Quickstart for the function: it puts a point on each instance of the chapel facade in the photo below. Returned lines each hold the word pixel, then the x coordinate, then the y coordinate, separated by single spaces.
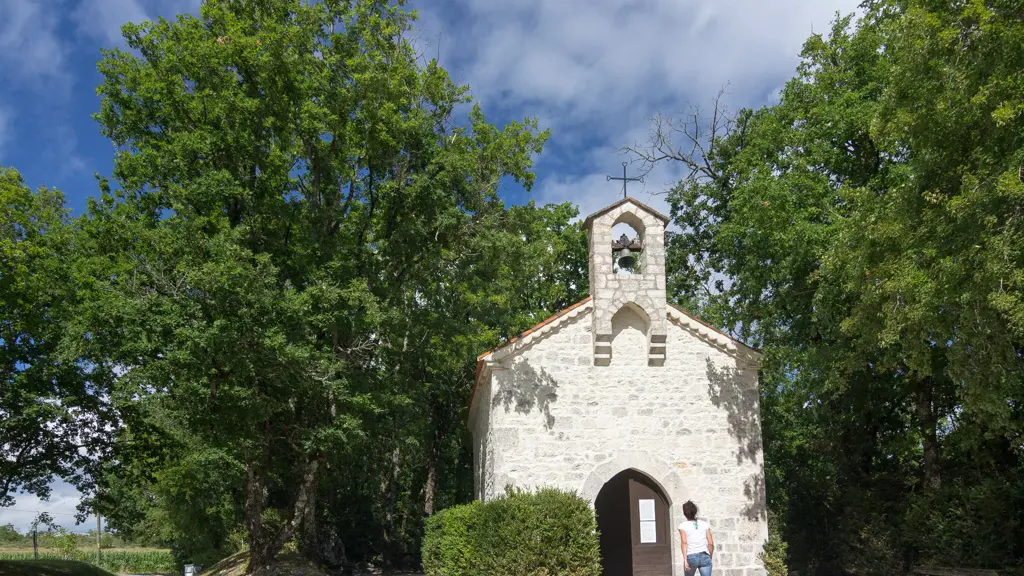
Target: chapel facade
pixel 635 405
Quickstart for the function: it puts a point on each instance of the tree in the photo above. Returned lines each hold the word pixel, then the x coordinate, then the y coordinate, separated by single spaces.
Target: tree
pixel 291 180
pixel 866 232
pixel 41 519
pixel 9 534
pixel 52 411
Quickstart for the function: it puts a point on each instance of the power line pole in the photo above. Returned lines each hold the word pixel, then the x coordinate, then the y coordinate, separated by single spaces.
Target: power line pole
pixel 99 539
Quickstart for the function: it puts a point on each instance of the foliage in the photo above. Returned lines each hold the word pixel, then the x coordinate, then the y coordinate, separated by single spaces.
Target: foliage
pixel 773 553
pixel 44 520
pixel 447 548
pixel 547 532
pixel 11 539
pixel 9 534
pixel 867 232
pixel 936 522
pixel 66 543
pixel 302 253
pixel 52 413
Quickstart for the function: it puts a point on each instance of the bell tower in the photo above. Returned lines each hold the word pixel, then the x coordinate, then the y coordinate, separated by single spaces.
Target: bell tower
pixel 628 272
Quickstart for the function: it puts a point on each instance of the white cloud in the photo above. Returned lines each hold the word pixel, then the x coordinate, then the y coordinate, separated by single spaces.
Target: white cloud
pixel 5 129
pixel 102 19
pixel 592 191
pixel 601 57
pixel 597 71
pixel 61 506
pixel 30 44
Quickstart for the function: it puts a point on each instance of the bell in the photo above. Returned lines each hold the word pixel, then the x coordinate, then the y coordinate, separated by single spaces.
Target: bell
pixel 626 260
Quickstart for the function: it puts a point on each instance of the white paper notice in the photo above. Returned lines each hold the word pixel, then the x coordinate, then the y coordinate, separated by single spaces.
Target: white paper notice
pixel 648 532
pixel 647 510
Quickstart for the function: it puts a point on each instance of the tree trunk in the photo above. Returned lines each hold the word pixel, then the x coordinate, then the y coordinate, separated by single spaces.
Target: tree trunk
pixel 310 530
pixel 263 550
pixel 928 422
pixel 254 499
pixel 390 486
pixel 430 488
pixel 303 505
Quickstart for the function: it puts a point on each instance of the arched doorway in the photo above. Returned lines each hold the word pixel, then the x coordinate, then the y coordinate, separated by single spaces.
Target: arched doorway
pixel 633 519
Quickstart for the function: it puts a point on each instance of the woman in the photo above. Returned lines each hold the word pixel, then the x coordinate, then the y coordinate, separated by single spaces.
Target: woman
pixel 698 545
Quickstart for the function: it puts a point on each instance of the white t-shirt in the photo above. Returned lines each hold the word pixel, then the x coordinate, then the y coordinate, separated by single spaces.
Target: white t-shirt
pixel 696 536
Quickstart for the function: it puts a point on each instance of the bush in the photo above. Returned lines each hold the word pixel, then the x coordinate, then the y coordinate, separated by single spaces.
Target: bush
pixel 773 554
pixel 8 535
pixel 66 543
pixel 975 524
pixel 446 545
pixel 547 533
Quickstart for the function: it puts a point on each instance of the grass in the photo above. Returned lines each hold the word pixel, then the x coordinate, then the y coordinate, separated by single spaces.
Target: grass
pixel 49 568
pixel 233 565
pixel 92 549
pixel 124 561
pixel 288 564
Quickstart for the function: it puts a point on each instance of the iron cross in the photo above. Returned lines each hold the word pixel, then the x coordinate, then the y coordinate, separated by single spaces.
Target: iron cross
pixel 624 179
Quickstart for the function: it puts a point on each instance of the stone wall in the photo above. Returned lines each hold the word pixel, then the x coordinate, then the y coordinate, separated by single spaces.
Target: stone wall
pixel 544 414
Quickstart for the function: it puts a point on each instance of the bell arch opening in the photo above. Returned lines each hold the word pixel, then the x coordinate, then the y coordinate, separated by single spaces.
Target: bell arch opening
pixel 633 521
pixel 627 245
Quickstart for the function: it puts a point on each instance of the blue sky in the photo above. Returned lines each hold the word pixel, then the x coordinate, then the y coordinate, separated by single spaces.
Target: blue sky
pixel 594 71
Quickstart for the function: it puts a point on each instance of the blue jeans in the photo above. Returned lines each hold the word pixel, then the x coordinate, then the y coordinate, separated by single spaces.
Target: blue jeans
pixel 701 561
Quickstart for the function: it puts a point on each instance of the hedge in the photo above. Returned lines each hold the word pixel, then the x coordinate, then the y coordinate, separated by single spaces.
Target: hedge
pixel 547 533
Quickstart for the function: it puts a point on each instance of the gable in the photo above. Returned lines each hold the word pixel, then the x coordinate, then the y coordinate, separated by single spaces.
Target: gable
pixel 664 219
pixel 706 333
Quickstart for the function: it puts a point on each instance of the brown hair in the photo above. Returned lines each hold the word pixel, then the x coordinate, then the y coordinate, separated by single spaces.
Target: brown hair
pixel 690 510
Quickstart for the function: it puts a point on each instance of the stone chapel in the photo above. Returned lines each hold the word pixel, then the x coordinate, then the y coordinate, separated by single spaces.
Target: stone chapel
pixel 635 405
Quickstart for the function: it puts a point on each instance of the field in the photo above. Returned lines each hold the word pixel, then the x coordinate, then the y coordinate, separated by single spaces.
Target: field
pixel 49 568
pixel 118 561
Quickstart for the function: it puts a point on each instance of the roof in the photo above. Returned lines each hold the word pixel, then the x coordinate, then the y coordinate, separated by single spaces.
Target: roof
pixel 718 331
pixel 640 204
pixel 710 333
pixel 536 327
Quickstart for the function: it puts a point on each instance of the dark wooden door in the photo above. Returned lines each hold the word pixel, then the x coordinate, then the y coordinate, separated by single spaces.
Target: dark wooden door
pixel 612 508
pixel 648 513
pixel 632 517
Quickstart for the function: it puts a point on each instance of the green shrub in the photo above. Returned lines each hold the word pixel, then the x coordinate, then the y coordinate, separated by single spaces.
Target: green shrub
pixel 66 543
pixel 446 545
pixel 969 524
pixel 547 533
pixel 773 554
pixel 869 544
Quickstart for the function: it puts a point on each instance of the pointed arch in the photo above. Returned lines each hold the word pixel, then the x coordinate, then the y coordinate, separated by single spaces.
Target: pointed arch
pixel 631 328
